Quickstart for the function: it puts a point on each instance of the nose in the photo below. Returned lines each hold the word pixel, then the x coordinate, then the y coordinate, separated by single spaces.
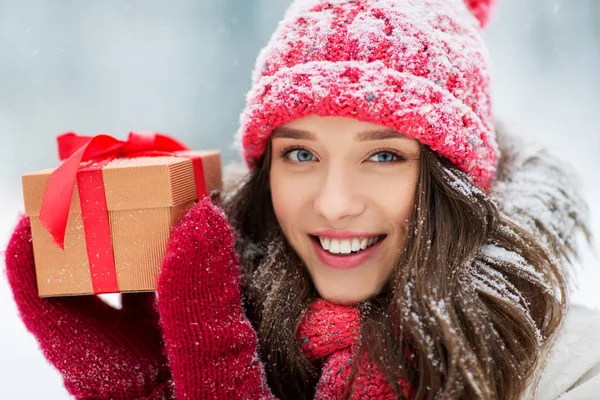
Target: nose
pixel 338 197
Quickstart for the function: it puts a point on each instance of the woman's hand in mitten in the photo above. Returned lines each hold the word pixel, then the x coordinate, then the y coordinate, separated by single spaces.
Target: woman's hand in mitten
pixel 211 345
pixel 101 352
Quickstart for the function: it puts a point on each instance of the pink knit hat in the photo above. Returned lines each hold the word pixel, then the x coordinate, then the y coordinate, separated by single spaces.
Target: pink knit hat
pixel 419 67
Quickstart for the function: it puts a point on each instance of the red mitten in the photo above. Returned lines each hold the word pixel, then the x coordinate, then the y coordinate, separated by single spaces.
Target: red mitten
pixel 101 352
pixel 211 345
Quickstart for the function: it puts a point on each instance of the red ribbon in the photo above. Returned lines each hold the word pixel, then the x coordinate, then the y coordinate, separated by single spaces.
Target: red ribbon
pixel 101 149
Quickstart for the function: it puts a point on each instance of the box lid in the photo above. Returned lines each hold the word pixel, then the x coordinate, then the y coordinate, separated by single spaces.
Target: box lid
pixel 136 183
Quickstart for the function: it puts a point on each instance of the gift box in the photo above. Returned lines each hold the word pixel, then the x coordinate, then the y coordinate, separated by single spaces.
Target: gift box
pixel 100 222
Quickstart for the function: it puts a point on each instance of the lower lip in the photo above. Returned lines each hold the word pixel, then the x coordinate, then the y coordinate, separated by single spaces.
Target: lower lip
pixel 346 261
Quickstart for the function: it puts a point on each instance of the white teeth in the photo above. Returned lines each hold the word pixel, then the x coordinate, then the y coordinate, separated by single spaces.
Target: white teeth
pixel 345 247
pixel 334 246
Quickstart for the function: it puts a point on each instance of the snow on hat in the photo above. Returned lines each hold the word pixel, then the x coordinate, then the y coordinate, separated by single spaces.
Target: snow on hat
pixel 419 67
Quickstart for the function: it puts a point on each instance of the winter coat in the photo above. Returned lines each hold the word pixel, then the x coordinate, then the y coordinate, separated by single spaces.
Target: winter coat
pixel 572 371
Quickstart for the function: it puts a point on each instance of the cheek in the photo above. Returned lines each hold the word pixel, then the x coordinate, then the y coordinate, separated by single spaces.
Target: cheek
pixel 404 200
pixel 287 200
pixel 396 198
pixel 398 208
pixel 277 197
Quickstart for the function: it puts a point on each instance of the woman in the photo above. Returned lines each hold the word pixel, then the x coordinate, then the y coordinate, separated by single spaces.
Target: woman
pixel 387 241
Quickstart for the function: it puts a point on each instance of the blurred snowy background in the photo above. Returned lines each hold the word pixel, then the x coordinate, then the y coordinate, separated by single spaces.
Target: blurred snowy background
pixel 183 68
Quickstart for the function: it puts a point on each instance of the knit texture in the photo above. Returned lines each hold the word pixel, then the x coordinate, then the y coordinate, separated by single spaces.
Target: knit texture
pixel 329 331
pixel 101 352
pixel 419 67
pixel 211 345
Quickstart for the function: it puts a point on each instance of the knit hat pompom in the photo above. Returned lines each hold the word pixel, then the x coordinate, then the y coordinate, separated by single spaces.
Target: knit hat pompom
pixel 482 9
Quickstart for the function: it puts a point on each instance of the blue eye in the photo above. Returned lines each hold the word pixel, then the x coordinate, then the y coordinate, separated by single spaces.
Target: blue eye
pixel 300 155
pixel 384 157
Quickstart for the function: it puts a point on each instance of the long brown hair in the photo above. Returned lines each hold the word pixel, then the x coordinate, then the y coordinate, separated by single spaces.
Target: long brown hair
pixel 474 296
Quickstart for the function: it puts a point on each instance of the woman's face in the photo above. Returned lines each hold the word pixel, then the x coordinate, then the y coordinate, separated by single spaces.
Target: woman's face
pixel 343 192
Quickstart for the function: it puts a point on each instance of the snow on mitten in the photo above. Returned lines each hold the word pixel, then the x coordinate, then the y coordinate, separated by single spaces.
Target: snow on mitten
pixel 211 345
pixel 101 352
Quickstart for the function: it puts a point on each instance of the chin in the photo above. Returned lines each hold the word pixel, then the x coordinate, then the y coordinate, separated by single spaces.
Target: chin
pixel 344 287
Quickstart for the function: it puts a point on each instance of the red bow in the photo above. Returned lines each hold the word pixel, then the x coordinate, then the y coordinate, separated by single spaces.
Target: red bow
pixel 75 149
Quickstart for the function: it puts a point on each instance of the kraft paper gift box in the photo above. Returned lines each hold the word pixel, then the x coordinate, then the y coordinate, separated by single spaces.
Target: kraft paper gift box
pixel 119 214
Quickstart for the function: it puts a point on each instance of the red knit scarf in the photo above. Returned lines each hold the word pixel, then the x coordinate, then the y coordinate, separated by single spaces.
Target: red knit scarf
pixel 330 331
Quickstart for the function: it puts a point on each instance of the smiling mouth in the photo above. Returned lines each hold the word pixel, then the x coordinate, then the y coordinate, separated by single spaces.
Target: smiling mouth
pixel 346 247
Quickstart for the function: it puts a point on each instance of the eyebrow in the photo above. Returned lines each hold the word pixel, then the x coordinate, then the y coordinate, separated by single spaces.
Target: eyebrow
pixel 380 134
pixel 299 134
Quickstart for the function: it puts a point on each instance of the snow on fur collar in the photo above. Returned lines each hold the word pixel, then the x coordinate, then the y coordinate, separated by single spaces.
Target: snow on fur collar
pixel 541 193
